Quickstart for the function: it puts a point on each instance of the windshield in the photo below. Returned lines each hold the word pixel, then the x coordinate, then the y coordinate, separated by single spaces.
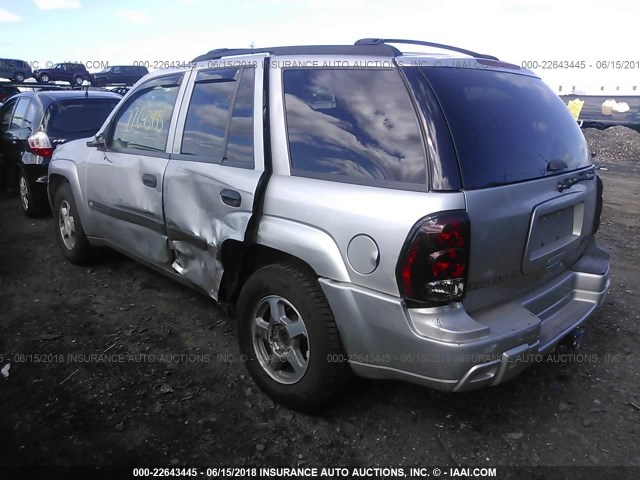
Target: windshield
pixel 82 117
pixel 506 127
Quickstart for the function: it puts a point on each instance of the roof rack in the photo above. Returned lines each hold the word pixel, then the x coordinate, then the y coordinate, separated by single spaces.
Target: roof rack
pixel 373 50
pixel 364 46
pixel 384 41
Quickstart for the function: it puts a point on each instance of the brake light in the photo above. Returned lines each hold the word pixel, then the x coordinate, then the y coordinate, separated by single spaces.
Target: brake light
pixel 433 266
pixel 40 144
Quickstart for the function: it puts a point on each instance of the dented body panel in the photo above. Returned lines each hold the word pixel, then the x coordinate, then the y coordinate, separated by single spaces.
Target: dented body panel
pixel 198 222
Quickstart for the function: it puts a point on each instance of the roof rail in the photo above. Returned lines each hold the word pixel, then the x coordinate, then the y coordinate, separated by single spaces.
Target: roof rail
pixel 383 41
pixel 219 53
pixel 372 49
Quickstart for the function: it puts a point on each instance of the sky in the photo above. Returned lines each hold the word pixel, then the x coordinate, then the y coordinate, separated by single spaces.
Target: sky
pixel 114 32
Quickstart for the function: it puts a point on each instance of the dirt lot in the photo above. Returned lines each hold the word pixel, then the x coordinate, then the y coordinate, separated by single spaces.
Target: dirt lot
pixel 114 364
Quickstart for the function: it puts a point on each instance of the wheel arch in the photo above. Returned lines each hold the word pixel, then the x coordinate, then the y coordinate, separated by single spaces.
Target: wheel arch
pixel 305 247
pixel 65 171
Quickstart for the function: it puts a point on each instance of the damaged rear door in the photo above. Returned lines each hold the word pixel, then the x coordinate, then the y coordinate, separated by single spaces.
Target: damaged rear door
pixel 214 169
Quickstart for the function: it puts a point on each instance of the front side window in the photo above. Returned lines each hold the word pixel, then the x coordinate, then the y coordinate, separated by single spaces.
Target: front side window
pixel 353 125
pixel 143 122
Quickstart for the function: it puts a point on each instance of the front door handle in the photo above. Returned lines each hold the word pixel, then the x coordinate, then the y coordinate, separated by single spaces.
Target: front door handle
pixel 231 197
pixel 150 180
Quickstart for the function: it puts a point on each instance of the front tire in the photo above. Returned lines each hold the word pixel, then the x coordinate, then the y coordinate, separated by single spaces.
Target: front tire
pixel 44 78
pixel 290 339
pixel 71 238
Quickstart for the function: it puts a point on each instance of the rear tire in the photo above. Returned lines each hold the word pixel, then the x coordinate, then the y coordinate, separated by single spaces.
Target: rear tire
pixel 18 77
pixel 290 339
pixel 30 207
pixel 77 81
pixel 71 238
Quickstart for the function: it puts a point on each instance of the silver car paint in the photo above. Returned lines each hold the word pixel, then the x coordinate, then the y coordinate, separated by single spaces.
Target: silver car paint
pixel 192 202
pixel 482 341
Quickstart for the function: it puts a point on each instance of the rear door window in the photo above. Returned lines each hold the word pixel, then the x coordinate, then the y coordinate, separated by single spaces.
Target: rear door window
pixel 239 151
pixel 209 113
pixel 6 112
pixel 506 127
pixel 19 113
pixel 353 125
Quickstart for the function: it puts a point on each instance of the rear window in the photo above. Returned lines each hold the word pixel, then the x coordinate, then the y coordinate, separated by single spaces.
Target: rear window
pixel 78 116
pixel 506 127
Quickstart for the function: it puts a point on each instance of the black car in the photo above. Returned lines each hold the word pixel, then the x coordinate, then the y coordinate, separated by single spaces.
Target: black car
pixel 74 73
pixel 33 124
pixel 7 91
pixel 16 70
pixel 122 74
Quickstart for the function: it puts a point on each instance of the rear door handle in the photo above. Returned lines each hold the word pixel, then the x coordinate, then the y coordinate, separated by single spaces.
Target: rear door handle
pixel 231 197
pixel 150 180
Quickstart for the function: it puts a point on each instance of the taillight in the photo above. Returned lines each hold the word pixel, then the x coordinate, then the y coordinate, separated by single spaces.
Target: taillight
pixel 40 144
pixel 433 266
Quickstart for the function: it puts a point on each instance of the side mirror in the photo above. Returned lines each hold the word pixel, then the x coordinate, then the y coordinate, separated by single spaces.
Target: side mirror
pixel 98 141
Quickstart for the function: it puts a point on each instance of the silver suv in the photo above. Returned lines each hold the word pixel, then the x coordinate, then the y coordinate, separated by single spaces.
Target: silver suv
pixel 421 217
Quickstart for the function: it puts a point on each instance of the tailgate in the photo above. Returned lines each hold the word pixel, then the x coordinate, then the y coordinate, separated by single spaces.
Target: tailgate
pixel 529 183
pixel 523 235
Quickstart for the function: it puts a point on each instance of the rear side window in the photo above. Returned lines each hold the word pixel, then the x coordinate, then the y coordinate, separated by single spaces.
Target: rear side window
pixel 143 122
pixel 353 125
pixel 506 127
pixel 78 116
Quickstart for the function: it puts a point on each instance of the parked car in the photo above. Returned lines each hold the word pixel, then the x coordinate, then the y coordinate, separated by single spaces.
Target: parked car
pixel 7 91
pixel 74 73
pixel 16 70
pixel 33 124
pixel 121 74
pixel 119 90
pixel 377 213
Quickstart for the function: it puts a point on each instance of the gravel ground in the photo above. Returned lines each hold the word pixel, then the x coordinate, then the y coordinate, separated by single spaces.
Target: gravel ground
pixel 115 364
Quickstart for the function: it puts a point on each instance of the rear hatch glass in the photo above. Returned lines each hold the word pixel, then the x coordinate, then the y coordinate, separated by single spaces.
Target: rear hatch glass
pixel 506 127
pixel 79 117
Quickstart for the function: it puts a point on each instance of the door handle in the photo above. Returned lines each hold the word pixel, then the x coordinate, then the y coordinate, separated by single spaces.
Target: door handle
pixel 231 197
pixel 150 180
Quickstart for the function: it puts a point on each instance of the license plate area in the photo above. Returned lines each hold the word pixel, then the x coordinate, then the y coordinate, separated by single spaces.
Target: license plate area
pixel 556 227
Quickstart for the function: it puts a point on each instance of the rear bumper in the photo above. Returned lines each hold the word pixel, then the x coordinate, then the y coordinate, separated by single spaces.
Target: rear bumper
pixel 446 348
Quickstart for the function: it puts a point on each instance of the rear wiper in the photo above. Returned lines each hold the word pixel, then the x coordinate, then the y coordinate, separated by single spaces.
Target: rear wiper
pixel 582 176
